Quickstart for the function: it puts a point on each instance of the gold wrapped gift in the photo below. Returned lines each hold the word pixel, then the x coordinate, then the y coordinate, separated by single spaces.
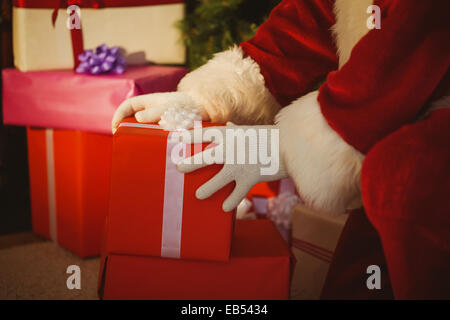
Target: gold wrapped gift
pixel 314 238
pixel 145 33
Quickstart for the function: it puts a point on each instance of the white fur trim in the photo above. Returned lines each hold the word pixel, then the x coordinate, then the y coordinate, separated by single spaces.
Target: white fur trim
pixel 441 103
pixel 325 169
pixel 231 88
pixel 350 27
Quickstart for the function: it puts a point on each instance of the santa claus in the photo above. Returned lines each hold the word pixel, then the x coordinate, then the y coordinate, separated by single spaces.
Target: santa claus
pixel 376 133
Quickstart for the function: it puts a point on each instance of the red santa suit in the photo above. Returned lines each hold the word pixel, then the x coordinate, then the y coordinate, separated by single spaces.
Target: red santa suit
pixel 377 130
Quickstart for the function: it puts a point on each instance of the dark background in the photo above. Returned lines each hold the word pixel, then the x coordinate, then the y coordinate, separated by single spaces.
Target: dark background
pixel 14 189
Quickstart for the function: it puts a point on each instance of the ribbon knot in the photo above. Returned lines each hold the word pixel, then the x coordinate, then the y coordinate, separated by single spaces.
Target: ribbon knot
pixel 95 4
pixel 76 34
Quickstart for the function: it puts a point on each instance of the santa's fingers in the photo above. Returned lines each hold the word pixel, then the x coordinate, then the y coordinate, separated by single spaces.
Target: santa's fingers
pixel 240 191
pixel 197 161
pixel 201 135
pixel 152 114
pixel 128 108
pixel 216 183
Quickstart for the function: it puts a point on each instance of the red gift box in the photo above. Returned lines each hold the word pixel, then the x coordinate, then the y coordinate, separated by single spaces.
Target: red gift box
pixel 259 269
pixel 69 182
pixel 153 209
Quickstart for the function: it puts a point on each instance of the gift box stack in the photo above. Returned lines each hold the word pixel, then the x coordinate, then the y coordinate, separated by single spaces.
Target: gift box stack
pixel 68 114
pixel 160 241
pixel 163 243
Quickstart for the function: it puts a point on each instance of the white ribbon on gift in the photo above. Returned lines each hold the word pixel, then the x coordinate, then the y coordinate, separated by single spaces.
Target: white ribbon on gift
pixel 173 196
pixel 51 184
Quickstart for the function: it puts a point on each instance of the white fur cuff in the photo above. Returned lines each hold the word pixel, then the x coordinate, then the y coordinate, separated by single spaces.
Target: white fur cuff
pixel 326 169
pixel 231 88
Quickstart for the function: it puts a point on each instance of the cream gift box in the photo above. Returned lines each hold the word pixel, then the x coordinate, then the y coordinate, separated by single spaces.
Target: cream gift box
pixel 145 29
pixel 314 238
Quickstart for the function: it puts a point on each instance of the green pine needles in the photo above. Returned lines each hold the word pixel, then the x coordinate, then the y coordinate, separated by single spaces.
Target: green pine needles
pixel 212 26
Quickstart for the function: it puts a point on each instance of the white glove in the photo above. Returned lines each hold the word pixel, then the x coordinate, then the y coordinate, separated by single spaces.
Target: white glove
pixel 256 159
pixel 150 107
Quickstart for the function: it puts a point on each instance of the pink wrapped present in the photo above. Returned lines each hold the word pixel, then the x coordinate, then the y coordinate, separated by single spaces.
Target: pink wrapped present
pixel 65 100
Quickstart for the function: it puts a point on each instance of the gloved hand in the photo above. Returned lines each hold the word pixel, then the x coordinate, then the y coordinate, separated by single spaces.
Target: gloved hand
pixel 250 154
pixel 150 107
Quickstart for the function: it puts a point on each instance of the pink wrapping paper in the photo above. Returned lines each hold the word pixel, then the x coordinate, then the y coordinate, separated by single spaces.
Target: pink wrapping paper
pixel 66 100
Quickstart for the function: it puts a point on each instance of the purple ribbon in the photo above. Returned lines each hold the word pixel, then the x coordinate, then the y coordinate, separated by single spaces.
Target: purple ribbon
pixel 103 60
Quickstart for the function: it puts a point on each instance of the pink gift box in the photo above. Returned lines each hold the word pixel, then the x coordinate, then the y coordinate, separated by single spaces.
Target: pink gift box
pixel 66 100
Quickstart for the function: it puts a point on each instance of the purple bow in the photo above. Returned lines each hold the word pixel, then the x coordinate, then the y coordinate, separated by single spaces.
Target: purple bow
pixel 103 60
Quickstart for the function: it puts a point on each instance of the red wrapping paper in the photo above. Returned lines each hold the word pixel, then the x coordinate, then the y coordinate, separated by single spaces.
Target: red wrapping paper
pixel 71 209
pixel 259 269
pixel 135 220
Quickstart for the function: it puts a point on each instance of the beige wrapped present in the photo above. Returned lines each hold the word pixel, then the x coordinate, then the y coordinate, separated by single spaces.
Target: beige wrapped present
pixel 147 33
pixel 314 238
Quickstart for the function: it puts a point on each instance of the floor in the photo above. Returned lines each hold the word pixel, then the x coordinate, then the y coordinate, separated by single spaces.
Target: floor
pixel 34 268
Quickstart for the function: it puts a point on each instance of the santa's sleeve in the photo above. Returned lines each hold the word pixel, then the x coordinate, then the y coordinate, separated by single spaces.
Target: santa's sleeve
pixel 289 55
pixel 391 74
